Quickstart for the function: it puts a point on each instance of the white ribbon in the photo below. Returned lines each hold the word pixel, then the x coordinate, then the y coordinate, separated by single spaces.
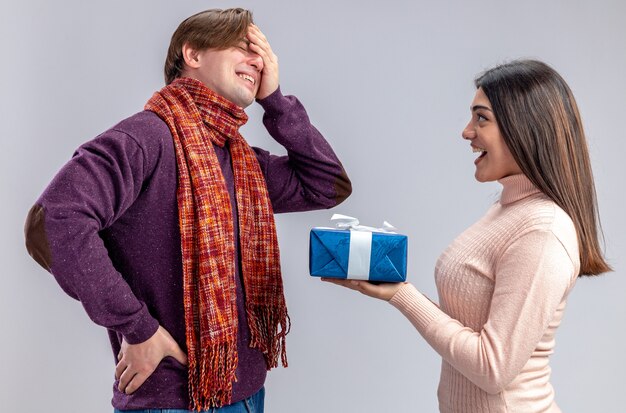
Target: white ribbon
pixel 359 256
pixel 346 222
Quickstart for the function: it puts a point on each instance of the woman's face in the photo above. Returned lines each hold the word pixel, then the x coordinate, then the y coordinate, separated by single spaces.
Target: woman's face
pixel 495 160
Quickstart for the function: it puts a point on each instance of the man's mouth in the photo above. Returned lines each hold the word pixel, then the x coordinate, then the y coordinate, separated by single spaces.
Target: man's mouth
pixel 247 77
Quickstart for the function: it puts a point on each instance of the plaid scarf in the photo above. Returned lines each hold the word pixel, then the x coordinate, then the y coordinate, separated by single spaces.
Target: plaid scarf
pixel 198 118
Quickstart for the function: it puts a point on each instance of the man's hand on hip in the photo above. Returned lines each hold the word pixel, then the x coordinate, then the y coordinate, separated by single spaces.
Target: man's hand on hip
pixel 260 46
pixel 138 361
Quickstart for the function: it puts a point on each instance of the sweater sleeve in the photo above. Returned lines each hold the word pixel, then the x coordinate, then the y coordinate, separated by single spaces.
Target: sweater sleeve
pixel 99 183
pixel 532 278
pixel 310 176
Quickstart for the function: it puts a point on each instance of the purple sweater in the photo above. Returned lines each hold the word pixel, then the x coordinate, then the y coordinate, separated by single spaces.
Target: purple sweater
pixel 107 229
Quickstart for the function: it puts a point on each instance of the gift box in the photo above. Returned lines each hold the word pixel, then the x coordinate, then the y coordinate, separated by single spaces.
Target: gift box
pixel 356 252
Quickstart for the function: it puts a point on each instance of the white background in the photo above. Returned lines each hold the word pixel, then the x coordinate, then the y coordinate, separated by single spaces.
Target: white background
pixel 389 84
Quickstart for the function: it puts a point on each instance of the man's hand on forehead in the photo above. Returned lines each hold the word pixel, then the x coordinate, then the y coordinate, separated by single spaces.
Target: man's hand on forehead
pixel 258 44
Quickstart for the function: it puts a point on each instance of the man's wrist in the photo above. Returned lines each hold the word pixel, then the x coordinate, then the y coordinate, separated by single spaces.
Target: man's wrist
pixel 143 329
pixel 272 100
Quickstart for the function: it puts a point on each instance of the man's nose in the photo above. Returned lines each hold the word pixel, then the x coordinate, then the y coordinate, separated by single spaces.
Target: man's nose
pixel 256 61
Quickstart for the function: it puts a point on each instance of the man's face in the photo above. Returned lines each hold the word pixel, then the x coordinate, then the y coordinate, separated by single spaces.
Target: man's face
pixel 233 73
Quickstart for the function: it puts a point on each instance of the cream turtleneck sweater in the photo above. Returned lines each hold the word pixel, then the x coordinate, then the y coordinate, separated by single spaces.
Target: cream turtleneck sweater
pixel 502 285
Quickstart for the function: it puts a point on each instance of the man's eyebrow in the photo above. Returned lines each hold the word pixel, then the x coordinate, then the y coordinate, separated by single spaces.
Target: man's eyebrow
pixel 476 107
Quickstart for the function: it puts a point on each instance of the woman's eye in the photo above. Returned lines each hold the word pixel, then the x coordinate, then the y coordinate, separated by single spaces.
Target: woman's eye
pixel 480 117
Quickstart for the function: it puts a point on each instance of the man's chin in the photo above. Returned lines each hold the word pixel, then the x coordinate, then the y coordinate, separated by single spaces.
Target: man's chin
pixel 243 100
pixel 247 103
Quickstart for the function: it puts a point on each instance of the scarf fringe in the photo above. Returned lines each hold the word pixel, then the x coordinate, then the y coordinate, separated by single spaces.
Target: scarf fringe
pixel 266 336
pixel 211 378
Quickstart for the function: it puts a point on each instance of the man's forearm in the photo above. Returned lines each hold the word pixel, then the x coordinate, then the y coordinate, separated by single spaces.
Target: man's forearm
pixel 310 176
pixel 62 232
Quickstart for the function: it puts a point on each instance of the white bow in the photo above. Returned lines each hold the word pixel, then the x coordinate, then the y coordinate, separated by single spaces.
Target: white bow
pixel 351 223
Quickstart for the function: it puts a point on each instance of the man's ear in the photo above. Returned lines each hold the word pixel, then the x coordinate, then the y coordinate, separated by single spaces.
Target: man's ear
pixel 190 56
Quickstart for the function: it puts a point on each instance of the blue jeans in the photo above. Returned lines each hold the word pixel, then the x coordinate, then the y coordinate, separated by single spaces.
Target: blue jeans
pixel 253 404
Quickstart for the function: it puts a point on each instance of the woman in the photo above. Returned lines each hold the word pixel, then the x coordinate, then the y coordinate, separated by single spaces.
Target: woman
pixel 503 283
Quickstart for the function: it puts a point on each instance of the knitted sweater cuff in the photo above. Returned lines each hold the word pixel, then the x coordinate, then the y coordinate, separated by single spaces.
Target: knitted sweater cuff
pixel 415 306
pixel 274 103
pixel 142 329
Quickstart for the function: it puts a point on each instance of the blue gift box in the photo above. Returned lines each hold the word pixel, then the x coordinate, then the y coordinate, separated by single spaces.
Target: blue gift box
pixel 355 254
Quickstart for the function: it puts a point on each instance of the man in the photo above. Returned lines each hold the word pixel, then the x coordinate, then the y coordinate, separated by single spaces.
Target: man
pixel 163 225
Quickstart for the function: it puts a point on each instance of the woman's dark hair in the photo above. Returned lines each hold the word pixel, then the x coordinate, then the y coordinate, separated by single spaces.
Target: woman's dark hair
pixel 540 123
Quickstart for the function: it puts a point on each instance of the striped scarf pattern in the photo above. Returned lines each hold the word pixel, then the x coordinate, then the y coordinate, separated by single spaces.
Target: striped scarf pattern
pixel 198 118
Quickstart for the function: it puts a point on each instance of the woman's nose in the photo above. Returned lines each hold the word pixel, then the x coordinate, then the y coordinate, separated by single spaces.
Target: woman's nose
pixel 469 132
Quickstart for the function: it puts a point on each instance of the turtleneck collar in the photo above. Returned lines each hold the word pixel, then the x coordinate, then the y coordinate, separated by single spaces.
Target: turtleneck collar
pixel 516 187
